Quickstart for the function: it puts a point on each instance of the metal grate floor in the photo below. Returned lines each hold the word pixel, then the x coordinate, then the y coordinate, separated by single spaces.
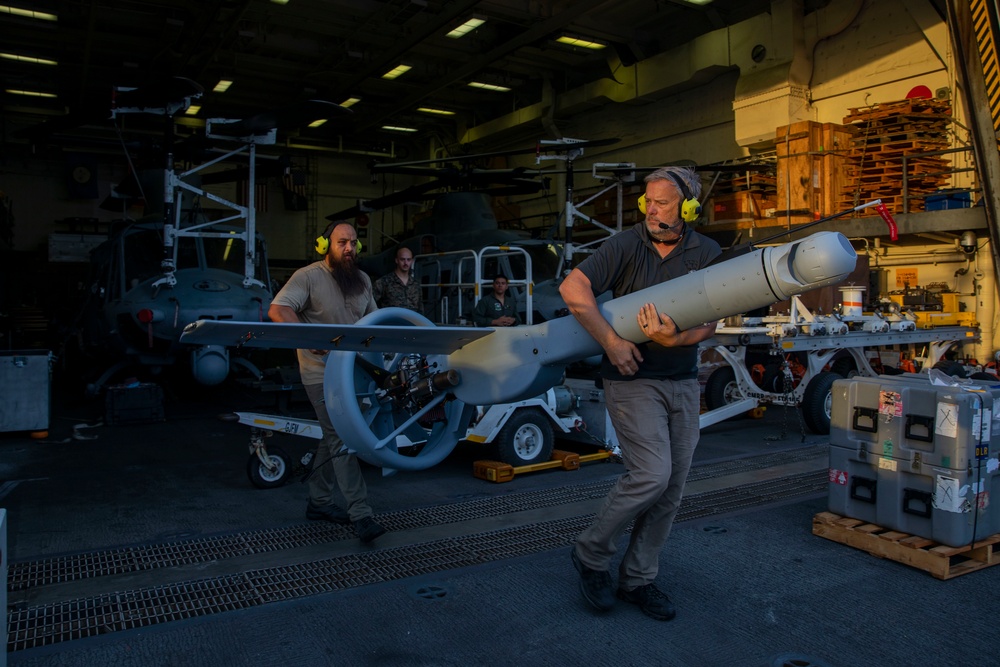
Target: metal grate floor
pixel 44 625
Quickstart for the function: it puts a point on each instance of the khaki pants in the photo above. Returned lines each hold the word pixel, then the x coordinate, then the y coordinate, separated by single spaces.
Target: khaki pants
pixel 334 466
pixel 658 429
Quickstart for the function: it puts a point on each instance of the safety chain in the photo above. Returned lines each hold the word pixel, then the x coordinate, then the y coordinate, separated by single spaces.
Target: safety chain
pixel 788 390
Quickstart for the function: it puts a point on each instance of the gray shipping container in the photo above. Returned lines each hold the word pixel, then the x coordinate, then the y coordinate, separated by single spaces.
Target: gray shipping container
pixel 932 450
pixel 25 387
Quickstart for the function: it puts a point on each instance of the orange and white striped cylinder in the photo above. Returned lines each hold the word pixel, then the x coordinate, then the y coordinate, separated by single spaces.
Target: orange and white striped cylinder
pixel 852 300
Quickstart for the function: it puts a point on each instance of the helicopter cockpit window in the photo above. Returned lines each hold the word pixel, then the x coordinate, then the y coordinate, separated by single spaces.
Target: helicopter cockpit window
pixel 142 253
pixel 224 253
pixel 187 253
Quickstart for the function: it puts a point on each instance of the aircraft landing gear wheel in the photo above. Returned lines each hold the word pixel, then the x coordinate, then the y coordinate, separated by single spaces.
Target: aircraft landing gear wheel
pixel 526 438
pixel 817 401
pixel 274 474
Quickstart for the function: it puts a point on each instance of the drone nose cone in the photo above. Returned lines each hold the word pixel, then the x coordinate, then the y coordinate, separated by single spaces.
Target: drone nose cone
pixel 823 256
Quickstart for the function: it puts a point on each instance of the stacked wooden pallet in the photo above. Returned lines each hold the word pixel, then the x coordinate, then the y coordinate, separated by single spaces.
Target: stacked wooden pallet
pixel 885 134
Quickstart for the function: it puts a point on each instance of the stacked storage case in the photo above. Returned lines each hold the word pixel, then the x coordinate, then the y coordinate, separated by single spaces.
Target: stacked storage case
pixel 916 457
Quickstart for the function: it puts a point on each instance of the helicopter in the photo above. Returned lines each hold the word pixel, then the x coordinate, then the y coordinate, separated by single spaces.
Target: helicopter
pixel 154 276
pixel 459 245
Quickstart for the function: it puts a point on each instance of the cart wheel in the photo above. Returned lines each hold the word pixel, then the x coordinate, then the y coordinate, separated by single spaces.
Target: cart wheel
pixel 526 438
pixel 816 402
pixel 269 478
pixel 844 367
pixel 721 388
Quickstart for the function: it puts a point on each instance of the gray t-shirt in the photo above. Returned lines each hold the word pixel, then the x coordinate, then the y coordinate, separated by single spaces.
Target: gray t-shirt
pixel 316 298
pixel 628 262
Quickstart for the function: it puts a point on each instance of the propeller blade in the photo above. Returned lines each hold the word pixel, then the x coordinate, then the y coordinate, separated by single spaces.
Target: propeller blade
pixel 291 116
pixel 570 144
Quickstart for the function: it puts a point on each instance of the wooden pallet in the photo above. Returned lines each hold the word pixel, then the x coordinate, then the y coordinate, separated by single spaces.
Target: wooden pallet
pixel 938 560
pixel 498 471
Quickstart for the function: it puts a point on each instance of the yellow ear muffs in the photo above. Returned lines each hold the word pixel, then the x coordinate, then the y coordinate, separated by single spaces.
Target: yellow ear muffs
pixel 323 245
pixel 689 209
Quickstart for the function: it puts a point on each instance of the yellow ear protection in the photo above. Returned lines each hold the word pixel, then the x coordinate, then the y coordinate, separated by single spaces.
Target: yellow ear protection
pixel 323 243
pixel 689 208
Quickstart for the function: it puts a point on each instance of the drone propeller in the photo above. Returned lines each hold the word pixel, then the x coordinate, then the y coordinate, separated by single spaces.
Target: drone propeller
pixel 550 147
pixel 479 182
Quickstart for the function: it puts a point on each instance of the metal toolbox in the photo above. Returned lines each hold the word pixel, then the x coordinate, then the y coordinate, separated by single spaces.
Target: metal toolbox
pixel 25 389
pixel 133 404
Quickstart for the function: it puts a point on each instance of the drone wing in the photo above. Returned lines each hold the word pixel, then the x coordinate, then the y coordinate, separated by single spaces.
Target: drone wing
pixel 348 337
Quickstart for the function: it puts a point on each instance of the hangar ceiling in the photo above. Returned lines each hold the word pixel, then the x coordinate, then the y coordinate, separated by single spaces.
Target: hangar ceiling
pixel 279 55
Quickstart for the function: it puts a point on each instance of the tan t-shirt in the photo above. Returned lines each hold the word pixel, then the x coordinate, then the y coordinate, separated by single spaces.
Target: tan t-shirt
pixel 316 298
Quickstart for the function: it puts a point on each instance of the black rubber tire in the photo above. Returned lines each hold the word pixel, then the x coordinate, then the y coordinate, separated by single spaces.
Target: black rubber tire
pixel 816 402
pixel 263 478
pixel 844 367
pixel 773 380
pixel 720 387
pixel 952 368
pixel 526 438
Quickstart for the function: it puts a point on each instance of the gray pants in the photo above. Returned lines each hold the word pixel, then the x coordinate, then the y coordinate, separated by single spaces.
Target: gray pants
pixel 334 466
pixel 657 426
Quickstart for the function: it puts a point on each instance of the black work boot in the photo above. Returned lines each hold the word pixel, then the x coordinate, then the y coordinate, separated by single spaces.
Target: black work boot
pixel 651 600
pixel 595 585
pixel 331 513
pixel 368 529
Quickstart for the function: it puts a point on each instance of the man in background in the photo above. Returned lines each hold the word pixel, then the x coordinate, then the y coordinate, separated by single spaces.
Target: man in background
pixel 399 288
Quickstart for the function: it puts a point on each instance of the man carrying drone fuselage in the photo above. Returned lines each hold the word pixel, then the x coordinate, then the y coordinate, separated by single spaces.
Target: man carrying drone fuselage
pixel 651 390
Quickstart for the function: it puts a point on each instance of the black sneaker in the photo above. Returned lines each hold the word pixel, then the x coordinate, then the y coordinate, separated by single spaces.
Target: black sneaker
pixel 595 585
pixel 330 513
pixel 651 600
pixel 368 529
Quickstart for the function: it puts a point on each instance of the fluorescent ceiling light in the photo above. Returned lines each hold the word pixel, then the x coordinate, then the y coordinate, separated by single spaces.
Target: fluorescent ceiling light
pixel 582 43
pixel 697 2
pixel 466 27
pixel 222 86
pixel 28 13
pixel 397 128
pixel 192 110
pixel 396 71
pixel 489 86
pixel 350 102
pixel 27 59
pixel 439 112
pixel 280 2
pixel 30 93
pixel 317 122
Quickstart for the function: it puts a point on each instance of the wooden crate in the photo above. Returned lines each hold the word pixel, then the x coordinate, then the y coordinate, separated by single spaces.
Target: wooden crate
pixel 811 161
pixel 746 205
pixel 938 560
